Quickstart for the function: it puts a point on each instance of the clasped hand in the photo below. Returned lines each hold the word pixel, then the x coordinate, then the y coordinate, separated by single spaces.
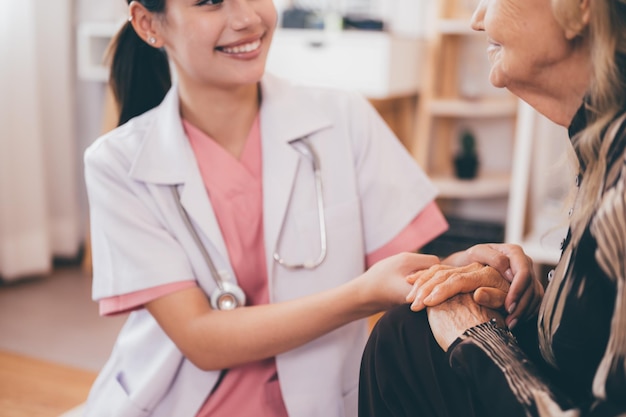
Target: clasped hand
pixel 470 287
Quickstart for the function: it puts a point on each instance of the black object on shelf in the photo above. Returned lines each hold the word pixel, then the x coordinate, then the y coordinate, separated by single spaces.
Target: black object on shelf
pixel 296 18
pixel 466 162
pixel 362 23
pixel 464 233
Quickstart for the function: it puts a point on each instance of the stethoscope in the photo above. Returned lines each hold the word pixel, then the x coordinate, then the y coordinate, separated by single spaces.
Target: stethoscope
pixel 228 295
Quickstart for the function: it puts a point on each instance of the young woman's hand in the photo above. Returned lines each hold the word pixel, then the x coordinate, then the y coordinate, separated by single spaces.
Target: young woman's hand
pixel 453 317
pixel 520 301
pixel 386 285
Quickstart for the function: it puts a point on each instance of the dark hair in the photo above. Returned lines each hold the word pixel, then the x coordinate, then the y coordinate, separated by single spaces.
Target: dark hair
pixel 140 74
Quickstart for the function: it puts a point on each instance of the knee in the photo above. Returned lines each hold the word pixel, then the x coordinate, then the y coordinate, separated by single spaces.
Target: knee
pixel 401 325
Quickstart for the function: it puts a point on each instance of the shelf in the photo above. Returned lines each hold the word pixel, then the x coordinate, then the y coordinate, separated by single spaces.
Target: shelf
pixel 379 65
pixel 484 186
pixel 480 108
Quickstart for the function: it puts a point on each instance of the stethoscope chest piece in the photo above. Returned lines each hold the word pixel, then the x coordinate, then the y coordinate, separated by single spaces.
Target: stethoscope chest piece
pixel 227 296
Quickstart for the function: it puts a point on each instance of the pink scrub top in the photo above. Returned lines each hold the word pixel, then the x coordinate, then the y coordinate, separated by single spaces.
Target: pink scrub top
pixel 236 192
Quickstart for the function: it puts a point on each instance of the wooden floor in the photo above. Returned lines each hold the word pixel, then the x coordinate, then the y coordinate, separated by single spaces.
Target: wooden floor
pixel 35 388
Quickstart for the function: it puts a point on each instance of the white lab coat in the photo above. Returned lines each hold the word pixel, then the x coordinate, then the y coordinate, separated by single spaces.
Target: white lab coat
pixel 372 190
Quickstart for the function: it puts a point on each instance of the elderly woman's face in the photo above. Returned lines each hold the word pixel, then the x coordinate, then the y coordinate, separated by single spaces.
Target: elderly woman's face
pixel 525 41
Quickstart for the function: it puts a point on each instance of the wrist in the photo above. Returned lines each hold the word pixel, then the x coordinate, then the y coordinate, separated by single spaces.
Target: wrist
pixel 493 326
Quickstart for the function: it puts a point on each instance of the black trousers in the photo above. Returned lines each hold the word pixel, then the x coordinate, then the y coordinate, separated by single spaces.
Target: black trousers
pixel 404 372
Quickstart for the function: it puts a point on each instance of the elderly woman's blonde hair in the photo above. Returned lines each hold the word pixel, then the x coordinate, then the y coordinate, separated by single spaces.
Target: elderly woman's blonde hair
pixel 605 35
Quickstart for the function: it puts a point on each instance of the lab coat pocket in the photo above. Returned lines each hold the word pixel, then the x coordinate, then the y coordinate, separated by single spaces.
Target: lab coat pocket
pixel 350 402
pixel 120 402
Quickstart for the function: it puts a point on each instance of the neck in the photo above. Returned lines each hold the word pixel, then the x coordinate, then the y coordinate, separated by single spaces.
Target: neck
pixel 226 115
pixel 558 92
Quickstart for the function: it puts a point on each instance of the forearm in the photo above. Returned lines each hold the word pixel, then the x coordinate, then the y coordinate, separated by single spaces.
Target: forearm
pixel 221 339
pixel 502 377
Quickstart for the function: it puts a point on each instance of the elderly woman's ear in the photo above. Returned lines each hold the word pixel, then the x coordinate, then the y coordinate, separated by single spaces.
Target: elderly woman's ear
pixel 574 17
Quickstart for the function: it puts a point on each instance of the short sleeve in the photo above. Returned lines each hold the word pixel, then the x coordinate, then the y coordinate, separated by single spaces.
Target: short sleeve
pixel 427 225
pixel 132 248
pixel 393 187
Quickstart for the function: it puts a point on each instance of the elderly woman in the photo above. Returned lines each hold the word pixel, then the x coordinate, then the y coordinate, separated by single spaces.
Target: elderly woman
pixel 567 58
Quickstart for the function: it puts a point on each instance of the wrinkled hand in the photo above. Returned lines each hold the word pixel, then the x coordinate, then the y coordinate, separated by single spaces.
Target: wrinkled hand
pixel 453 317
pixel 525 293
pixel 441 282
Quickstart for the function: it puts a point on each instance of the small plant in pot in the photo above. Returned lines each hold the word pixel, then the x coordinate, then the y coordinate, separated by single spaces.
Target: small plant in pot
pixel 466 161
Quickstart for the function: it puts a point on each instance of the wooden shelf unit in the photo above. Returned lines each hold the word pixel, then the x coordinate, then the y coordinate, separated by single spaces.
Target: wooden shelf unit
pixel 443 108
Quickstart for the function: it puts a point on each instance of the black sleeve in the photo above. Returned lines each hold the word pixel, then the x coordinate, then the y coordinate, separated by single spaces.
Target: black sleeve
pixel 506 381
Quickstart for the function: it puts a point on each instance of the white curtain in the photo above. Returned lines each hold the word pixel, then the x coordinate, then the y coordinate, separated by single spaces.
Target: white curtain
pixel 39 210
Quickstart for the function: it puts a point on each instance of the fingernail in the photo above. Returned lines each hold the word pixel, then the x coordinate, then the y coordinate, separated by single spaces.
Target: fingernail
pixel 509 274
pixel 513 323
pixel 427 299
pixel 511 308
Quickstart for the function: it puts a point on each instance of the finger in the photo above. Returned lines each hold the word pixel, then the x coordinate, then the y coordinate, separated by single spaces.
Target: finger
pixel 492 255
pixel 423 288
pixel 416 280
pixel 466 282
pixel 419 278
pixel 420 261
pixel 417 263
pixel 413 277
pixel 436 275
pixel 411 295
pixel 520 308
pixel 529 302
pixel 523 281
pixel 489 297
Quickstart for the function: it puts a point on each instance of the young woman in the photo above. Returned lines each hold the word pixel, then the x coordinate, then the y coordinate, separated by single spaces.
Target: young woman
pixel 458 358
pixel 235 216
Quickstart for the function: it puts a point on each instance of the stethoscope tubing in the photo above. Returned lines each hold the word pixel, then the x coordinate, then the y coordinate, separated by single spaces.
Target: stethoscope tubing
pixel 310 154
pixel 232 291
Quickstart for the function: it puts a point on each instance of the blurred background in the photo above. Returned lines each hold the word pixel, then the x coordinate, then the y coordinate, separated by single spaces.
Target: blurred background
pixel 418 63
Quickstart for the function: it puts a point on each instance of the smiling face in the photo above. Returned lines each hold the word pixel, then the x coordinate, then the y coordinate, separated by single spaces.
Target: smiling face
pixel 525 40
pixel 219 43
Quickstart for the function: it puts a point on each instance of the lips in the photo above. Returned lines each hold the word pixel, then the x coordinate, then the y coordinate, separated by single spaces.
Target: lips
pixel 241 48
pixel 492 44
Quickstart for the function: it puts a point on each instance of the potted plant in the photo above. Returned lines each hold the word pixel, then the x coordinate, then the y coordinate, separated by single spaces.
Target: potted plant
pixel 466 161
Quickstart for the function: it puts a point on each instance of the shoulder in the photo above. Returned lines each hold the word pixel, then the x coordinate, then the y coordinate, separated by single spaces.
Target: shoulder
pixel 121 143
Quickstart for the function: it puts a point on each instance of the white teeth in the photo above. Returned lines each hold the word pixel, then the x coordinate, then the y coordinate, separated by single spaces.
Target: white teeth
pixel 240 49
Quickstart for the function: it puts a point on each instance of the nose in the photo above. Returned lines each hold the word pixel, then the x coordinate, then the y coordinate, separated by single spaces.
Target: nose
pixel 478 17
pixel 243 15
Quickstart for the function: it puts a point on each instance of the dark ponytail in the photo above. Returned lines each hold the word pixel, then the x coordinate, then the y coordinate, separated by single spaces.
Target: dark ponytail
pixel 140 74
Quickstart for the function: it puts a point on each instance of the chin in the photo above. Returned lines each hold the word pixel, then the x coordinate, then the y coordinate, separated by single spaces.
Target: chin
pixel 248 77
pixel 497 79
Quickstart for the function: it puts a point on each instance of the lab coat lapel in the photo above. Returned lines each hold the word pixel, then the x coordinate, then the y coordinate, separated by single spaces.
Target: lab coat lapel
pixel 286 116
pixel 167 158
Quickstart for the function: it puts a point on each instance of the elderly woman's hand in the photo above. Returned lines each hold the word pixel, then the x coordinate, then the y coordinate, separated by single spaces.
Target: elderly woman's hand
pixel 440 282
pixel 453 317
pixel 521 300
